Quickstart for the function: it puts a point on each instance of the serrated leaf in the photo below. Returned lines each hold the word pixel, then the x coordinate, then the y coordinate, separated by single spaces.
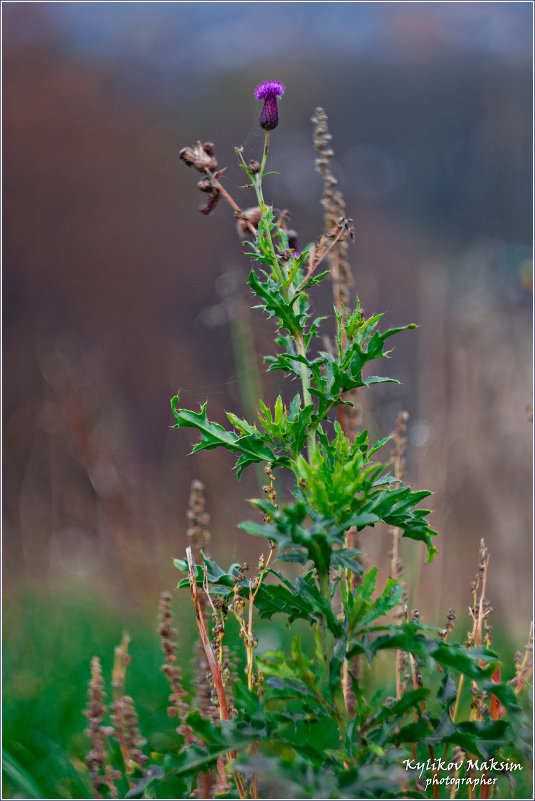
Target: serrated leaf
pixel 379 445
pixel 408 701
pixel 276 304
pixel 251 447
pixel 377 379
pixel 347 558
pixel 152 773
pixel 293 555
pixel 289 685
pixel 447 692
pixel 409 637
pixel 220 581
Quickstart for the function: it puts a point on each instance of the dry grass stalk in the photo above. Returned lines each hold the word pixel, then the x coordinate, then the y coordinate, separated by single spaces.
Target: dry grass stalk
pixel 397 458
pixel 120 663
pixel 523 664
pixel 337 228
pixel 478 611
pixel 197 532
pixel 199 537
pixel 168 633
pixel 211 659
pixel 198 520
pixel 125 720
pixel 121 660
pixel 100 772
pixel 478 589
pixel 480 636
pixel 334 210
pixel 205 639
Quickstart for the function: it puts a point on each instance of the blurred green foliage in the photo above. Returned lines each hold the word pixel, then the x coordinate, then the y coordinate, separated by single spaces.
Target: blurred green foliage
pixel 48 644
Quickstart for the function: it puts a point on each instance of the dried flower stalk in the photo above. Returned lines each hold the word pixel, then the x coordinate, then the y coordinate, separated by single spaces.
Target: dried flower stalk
pixel 523 664
pixel 198 519
pixel 210 657
pixel 126 722
pixel 100 772
pixel 168 633
pixel 397 459
pixel 120 663
pixel 334 210
pixel 338 228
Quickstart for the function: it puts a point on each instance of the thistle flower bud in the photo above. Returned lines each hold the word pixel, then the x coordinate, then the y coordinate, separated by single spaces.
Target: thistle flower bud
pixel 269 91
pixel 292 243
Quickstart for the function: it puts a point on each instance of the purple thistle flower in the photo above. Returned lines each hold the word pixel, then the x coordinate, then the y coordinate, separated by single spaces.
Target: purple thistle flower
pixel 269 91
pixel 292 244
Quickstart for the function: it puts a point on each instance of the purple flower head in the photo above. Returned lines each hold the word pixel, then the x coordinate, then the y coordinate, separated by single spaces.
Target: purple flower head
pixel 269 91
pixel 292 244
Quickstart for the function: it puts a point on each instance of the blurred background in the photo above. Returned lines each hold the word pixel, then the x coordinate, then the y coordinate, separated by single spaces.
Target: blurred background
pixel 118 293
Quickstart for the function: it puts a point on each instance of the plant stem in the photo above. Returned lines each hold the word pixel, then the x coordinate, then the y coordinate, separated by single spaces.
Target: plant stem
pixel 324 585
pixel 323 579
pixel 281 276
pixel 266 151
pixel 305 376
pixel 458 697
pixel 249 645
pixel 436 793
pixel 210 657
pixel 205 639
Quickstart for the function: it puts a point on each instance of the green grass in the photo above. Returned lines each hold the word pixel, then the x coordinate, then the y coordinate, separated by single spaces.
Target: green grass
pixel 48 645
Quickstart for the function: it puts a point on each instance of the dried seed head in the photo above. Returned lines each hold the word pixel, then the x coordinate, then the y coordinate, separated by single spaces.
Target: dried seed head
pixel 126 724
pixel 198 519
pixel 201 156
pixel 167 633
pixel 248 220
pixel 334 209
pixel 100 773
pixel 205 184
pixel 443 633
pixel 211 202
pixel 399 440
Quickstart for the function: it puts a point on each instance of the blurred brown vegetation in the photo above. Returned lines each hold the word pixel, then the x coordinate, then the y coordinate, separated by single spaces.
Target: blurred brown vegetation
pixel 115 298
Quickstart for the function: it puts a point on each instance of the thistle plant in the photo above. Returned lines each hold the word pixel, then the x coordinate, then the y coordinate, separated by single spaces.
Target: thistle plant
pixel 305 713
pixel 302 722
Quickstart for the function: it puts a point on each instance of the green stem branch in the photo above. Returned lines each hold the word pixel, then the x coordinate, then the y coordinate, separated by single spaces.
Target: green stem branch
pixel 280 274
